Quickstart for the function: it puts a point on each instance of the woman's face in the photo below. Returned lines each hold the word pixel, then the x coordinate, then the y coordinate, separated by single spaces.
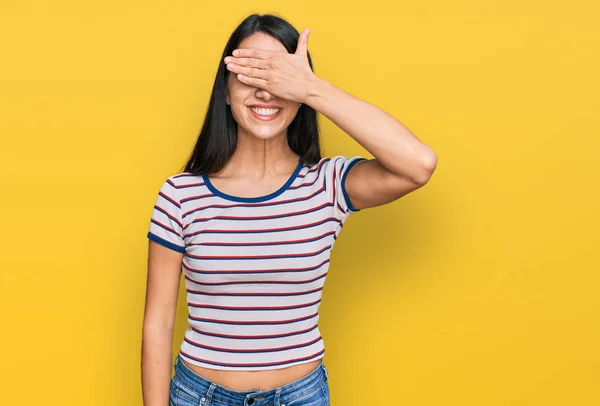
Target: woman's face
pixel 252 107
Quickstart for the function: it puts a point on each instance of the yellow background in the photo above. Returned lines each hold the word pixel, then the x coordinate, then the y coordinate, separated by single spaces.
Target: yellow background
pixel 479 289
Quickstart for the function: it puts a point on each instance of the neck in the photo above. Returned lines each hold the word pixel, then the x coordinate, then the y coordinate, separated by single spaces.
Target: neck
pixel 258 158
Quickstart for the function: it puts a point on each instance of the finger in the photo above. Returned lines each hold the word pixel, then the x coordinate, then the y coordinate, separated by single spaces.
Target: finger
pixel 252 81
pixel 301 49
pixel 249 62
pixel 250 72
pixel 252 53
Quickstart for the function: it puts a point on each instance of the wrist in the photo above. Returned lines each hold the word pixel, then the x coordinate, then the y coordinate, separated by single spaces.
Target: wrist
pixel 315 91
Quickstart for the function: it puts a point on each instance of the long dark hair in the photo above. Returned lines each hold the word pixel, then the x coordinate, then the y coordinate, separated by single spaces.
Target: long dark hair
pixel 218 138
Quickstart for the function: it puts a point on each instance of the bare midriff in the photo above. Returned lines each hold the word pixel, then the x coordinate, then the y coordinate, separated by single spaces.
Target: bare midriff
pixel 249 380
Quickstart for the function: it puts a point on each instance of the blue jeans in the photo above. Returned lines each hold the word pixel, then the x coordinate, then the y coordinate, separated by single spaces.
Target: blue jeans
pixel 190 389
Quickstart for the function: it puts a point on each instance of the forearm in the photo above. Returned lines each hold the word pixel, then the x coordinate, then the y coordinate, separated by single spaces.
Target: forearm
pixel 388 140
pixel 157 344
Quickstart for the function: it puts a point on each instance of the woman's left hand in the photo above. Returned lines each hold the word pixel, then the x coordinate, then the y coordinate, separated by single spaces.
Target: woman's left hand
pixel 285 75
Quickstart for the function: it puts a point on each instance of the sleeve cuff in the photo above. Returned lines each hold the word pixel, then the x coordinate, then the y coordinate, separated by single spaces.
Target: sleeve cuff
pixel 343 184
pixel 166 243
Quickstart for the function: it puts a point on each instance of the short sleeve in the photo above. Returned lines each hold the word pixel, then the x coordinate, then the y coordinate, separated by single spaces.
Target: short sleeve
pixel 337 169
pixel 166 225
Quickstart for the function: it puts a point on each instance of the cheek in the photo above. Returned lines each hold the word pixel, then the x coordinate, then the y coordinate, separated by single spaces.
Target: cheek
pixel 236 103
pixel 237 113
pixel 292 112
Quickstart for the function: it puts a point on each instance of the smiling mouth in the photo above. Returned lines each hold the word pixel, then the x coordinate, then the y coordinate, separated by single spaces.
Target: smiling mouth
pixel 265 114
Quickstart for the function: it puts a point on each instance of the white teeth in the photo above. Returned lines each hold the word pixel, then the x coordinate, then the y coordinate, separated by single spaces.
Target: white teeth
pixel 264 112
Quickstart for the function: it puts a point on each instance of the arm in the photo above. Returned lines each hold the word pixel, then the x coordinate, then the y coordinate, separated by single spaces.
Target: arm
pixel 164 272
pixel 402 163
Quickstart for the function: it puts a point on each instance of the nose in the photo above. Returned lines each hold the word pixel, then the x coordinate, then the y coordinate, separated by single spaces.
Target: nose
pixel 265 95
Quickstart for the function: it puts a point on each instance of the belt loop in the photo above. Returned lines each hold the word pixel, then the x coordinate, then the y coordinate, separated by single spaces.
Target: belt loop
pixel 277 395
pixel 209 393
pixel 325 370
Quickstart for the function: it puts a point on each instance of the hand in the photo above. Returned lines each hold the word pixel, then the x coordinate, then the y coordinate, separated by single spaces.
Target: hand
pixel 283 74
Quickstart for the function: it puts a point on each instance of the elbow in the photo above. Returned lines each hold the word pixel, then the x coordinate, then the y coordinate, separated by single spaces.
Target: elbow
pixel 428 163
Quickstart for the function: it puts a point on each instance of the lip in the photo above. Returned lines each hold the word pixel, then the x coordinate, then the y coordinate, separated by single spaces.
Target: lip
pixel 266 106
pixel 265 118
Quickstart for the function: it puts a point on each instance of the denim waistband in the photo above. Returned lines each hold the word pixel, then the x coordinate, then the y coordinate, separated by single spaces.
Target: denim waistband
pixel 210 391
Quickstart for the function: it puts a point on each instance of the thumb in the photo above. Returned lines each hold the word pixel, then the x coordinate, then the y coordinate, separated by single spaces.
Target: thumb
pixel 303 42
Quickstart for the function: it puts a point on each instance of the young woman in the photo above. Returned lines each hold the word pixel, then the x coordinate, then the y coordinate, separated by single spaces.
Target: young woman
pixel 251 222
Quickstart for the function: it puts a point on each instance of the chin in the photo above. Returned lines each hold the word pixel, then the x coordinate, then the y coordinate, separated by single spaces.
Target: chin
pixel 264 132
pixel 263 136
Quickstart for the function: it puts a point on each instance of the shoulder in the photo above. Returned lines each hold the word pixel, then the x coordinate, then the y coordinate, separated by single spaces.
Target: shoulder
pixel 181 180
pixel 177 184
pixel 181 177
pixel 331 161
pixel 341 163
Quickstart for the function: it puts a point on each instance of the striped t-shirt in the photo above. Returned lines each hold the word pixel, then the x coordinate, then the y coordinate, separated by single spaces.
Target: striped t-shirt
pixel 254 267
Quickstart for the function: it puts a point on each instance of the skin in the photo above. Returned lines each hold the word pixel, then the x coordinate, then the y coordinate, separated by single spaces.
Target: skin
pixel 264 72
